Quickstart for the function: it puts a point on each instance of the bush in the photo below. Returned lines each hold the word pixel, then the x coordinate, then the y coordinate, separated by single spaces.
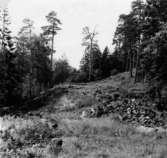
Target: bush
pixel 114 72
pixel 80 77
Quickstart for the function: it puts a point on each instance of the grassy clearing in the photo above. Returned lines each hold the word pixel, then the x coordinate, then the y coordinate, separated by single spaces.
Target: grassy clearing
pixel 25 137
pixel 84 138
pixel 96 138
pixel 35 136
pixel 103 126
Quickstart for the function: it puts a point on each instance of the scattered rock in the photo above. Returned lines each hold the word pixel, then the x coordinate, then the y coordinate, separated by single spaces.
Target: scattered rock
pixel 116 117
pixel 160 130
pixel 145 130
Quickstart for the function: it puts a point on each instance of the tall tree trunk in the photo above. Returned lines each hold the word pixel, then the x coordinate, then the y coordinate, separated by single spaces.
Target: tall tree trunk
pixel 130 65
pixel 30 85
pixel 90 62
pixel 31 71
pixel 143 76
pixel 137 68
pixel 137 61
pixel 52 51
pixel 127 62
pixel 133 62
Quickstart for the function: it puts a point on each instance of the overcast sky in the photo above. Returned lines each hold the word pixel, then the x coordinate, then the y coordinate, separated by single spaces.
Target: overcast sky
pixel 74 14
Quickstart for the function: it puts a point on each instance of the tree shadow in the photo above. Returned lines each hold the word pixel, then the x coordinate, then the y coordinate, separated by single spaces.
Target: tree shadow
pixel 33 104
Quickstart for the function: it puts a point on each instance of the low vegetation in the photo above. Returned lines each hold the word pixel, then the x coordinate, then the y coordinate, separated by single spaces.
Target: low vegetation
pixel 114 106
pixel 38 133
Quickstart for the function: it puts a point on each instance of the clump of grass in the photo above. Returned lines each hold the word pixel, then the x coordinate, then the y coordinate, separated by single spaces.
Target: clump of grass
pixel 163 154
pixel 81 100
pixel 85 102
pixel 16 134
pixel 76 101
pixel 102 126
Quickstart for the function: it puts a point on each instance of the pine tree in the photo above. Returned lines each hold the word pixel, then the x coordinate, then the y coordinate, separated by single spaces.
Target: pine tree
pixel 105 63
pixel 51 30
pixel 90 42
pixel 9 77
pixel 92 58
pixel 25 34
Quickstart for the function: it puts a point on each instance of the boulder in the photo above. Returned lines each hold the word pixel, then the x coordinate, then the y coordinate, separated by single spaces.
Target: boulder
pixel 145 130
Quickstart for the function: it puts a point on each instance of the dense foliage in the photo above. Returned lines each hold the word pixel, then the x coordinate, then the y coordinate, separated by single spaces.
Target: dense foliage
pixel 140 48
pixel 27 66
pixel 140 39
pixel 25 61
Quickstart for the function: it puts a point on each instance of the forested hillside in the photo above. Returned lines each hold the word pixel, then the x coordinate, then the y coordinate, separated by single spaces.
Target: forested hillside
pixel 28 66
pixel 113 106
pixel 140 48
pixel 26 63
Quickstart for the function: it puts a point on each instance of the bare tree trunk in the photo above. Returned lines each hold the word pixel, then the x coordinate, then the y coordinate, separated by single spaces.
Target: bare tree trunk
pixel 90 62
pixel 133 62
pixel 137 63
pixel 31 71
pixel 127 63
pixel 52 52
pixel 138 59
pixel 130 65
pixel 143 76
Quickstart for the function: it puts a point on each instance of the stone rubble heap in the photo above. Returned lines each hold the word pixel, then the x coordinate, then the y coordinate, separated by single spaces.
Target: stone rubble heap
pixel 132 110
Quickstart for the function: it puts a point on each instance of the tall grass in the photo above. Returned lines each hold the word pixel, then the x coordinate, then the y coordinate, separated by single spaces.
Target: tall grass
pixel 102 126
pixel 25 137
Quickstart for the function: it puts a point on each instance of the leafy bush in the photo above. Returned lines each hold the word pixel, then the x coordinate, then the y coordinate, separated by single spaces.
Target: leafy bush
pixel 80 77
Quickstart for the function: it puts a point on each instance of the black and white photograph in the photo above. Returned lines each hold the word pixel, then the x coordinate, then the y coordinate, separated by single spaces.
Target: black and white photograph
pixel 83 78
